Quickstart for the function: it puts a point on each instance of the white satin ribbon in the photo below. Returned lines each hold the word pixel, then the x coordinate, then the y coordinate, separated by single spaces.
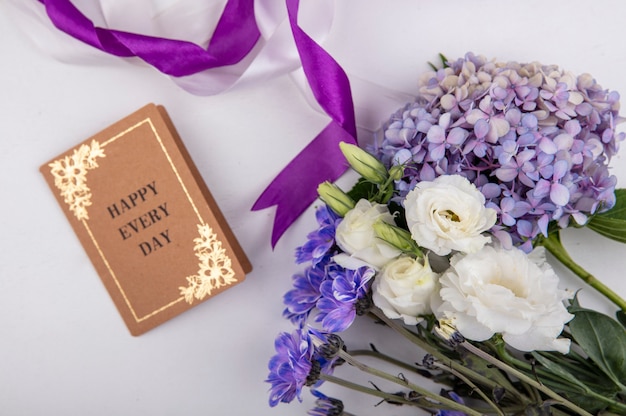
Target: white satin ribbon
pixel 193 20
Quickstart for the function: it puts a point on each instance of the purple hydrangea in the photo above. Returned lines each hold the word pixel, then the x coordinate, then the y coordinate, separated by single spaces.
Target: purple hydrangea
pixel 534 139
pixel 321 241
pixel 342 295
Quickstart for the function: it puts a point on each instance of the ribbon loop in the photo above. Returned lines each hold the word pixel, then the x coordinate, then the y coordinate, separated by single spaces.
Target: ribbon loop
pixel 234 37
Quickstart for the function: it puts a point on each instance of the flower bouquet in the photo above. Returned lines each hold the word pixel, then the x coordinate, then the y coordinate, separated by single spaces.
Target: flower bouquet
pixel 443 240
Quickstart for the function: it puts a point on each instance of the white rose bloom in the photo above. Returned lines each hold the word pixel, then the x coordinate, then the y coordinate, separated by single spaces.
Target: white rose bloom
pixel 403 289
pixel 448 214
pixel 508 292
pixel 355 236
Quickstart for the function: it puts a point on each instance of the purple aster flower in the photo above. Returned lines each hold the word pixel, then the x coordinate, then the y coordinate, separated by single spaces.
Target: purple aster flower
pixel 293 366
pixel 542 135
pixel 301 300
pixel 326 406
pixel 321 240
pixel 342 297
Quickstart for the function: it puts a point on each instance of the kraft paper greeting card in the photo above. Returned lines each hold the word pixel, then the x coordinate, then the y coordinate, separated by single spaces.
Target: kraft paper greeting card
pixel 146 219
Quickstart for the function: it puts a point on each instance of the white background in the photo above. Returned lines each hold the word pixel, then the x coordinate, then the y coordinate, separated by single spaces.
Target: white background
pixel 63 347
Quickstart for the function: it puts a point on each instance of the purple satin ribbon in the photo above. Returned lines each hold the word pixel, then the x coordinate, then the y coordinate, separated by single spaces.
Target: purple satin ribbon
pixel 234 37
pixel 295 187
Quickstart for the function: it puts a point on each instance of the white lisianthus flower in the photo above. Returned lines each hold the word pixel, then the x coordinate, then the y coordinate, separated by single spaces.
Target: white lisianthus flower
pixel 505 291
pixel 448 214
pixel 403 289
pixel 355 236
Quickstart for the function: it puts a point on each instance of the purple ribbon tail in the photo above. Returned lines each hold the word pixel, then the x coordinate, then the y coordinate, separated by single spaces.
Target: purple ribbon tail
pixel 295 187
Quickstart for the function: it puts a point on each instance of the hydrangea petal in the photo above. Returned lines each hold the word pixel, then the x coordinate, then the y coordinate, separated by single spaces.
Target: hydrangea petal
pixel 559 194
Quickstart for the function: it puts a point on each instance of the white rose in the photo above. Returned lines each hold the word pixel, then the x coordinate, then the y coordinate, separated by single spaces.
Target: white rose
pixel 508 292
pixel 403 289
pixel 448 214
pixel 355 236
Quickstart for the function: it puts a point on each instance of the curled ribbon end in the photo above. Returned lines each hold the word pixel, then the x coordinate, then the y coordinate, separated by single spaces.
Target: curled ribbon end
pixel 287 210
pixel 295 187
pixel 265 202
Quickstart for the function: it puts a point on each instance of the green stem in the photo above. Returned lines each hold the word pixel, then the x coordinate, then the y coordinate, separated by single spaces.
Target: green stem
pixel 523 377
pixel 389 397
pixel 448 403
pixel 613 404
pixel 443 358
pixel 550 380
pixel 472 385
pixel 553 245
pixel 547 377
pixel 384 357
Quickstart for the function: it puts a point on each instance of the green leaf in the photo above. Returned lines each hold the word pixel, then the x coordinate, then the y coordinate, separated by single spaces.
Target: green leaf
pixel 363 189
pixel 575 306
pixel 590 404
pixel 444 63
pixel 560 371
pixel 621 317
pixel 487 370
pixel 583 369
pixel 604 341
pixel 612 223
pixel 572 385
pixel 611 228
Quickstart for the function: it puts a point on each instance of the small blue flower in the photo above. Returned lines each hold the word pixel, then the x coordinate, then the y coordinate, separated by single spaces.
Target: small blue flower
pixel 291 366
pixel 320 241
pixel 341 296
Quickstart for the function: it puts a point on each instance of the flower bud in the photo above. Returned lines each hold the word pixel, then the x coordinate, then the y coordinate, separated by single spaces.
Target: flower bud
pixel 331 348
pixel 396 172
pixel 396 237
pixel 365 164
pixel 446 330
pixel 335 198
